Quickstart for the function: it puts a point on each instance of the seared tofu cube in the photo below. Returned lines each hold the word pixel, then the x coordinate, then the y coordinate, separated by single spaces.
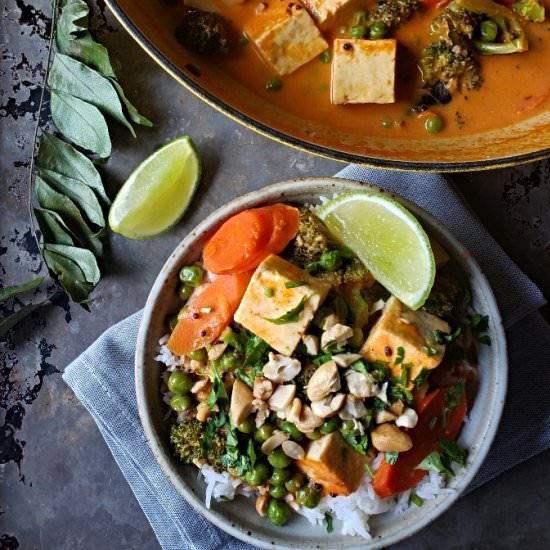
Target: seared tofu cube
pixel 285 35
pixel 333 463
pixel 363 71
pixel 324 12
pixel 268 297
pixel 400 326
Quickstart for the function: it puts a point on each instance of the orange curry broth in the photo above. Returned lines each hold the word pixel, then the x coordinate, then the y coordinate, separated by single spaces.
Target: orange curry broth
pixel 514 86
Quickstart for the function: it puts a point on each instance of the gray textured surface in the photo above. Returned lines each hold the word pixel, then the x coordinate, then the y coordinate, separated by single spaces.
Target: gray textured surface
pixel 59 487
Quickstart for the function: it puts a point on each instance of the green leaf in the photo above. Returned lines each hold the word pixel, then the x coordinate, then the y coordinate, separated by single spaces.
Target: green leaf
pixel 54 154
pixel 328 519
pixel 133 113
pixel 73 37
pixel 76 79
pixel 218 389
pixel 81 195
pixel 294 284
pixel 69 275
pixel 443 338
pixel 50 199
pixel 454 451
pixel 436 463
pixel 251 452
pixel 291 316
pixel 359 442
pixel 255 351
pixel 9 322
pixel 391 457
pixel 53 228
pixel 400 355
pixel 12 291
pixel 85 260
pixel 80 122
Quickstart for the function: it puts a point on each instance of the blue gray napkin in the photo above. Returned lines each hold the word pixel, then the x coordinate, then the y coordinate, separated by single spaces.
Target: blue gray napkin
pixel 103 376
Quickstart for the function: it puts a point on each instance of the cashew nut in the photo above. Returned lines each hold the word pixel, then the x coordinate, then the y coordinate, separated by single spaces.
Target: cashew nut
pixel 324 381
pixel 408 419
pixel 263 388
pixel 358 384
pixel 292 412
pixel 281 368
pixel 262 503
pixel 241 402
pixel 293 450
pixel 345 359
pixel 384 416
pixel 311 343
pixel 216 351
pixel 397 407
pixel 336 335
pixel 388 438
pixel 274 441
pixel 308 421
pixel 329 321
pixel 203 412
pixel 353 408
pixel 328 406
pixel 282 397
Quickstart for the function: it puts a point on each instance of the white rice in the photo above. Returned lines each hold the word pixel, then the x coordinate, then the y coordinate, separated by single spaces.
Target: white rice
pixel 350 513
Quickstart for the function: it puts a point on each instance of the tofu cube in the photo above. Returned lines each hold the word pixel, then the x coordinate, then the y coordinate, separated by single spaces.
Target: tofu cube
pixel 285 36
pixel 325 12
pixel 400 326
pixel 273 273
pixel 333 463
pixel 363 71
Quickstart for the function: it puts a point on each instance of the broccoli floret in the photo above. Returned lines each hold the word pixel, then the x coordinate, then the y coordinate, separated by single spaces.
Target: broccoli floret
pixel 203 32
pixel 394 13
pixel 312 241
pixel 532 10
pixel 186 438
pixel 453 65
pixel 455 25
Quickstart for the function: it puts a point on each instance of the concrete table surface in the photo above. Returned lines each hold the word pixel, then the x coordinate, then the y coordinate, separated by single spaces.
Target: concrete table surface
pixel 60 489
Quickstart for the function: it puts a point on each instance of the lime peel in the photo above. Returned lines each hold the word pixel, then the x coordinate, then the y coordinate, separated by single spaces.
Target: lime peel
pixel 158 192
pixel 388 239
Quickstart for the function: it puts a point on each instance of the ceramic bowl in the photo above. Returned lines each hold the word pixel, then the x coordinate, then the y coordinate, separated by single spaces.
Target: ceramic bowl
pixel 240 519
pixel 152 24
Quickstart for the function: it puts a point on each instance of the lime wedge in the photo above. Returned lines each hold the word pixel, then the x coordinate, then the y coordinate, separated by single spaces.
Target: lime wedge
pixel 158 192
pixel 388 239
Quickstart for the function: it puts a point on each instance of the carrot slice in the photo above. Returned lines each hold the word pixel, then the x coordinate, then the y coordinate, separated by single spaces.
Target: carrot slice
pixel 237 242
pixel 246 239
pixel 208 313
pixel 391 479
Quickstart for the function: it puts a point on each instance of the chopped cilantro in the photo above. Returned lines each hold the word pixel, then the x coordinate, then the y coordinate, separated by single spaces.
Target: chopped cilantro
pixel 322 359
pixel 415 499
pixel 480 323
pixel 391 457
pixel 251 452
pixel 369 469
pixel 218 389
pixel 454 451
pixel 359 442
pixel 328 519
pixel 443 338
pixel 268 292
pixel 430 350
pixel 422 378
pixel 400 355
pixel 436 462
pixel 360 366
pixel 292 315
pixel 484 339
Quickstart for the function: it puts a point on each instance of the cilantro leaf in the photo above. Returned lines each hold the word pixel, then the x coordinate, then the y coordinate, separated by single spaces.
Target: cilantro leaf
pixel 400 355
pixel 292 315
pixel 218 389
pixel 294 284
pixel 391 457
pixel 436 462
pixel 443 338
pixel 454 451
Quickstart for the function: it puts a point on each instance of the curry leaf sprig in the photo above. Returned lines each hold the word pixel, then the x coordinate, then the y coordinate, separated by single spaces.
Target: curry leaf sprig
pixel 71 198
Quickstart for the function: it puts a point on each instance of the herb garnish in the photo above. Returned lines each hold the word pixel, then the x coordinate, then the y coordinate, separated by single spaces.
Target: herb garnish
pixel 430 350
pixel 443 338
pixel 251 452
pixel 369 469
pixel 359 442
pixel 440 462
pixel 233 458
pixel 415 499
pixel 218 389
pixel 453 397
pixel 329 261
pixel 480 324
pixel 292 315
pixel 400 355
pixel 360 366
pixel 328 519
pixel 268 292
pixel 391 457
pixel 295 284
pixel 322 359
pixel 211 428
pixel 422 378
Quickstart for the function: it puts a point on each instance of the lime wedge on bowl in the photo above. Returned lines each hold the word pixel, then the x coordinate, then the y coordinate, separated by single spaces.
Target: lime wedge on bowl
pixel 158 192
pixel 388 239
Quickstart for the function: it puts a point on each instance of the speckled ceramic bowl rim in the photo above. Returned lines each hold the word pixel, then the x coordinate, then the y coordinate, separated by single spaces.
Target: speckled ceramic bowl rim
pixel 285 191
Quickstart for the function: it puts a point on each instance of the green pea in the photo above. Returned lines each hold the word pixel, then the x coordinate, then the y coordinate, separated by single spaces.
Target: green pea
pixel 278 459
pixel 434 124
pixel 308 497
pixel 263 433
pixel 359 17
pixel 180 382
pixel 191 275
pixel 488 31
pixel 278 512
pixel 330 425
pixel 246 427
pixel 291 429
pixel 172 321
pixel 274 84
pixel 295 482
pixel 279 476
pixel 229 360
pixel 358 31
pixel 277 491
pixel 181 403
pixel 258 474
pixel 315 434
pixel 198 355
pixel 377 30
pixel 185 292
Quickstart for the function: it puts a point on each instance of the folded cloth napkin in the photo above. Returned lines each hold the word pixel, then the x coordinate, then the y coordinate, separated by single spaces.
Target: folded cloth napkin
pixel 103 379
